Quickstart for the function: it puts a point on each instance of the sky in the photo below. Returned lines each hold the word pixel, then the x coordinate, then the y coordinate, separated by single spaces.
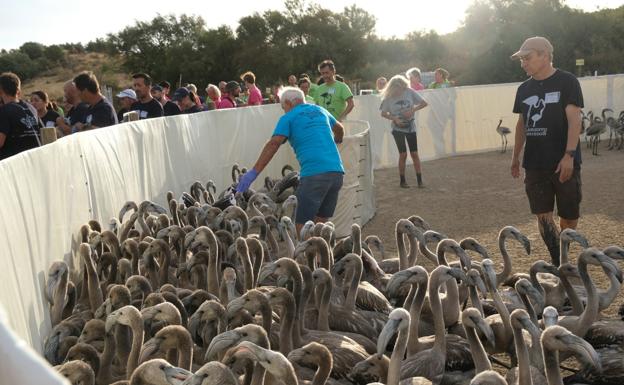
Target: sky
pixel 53 22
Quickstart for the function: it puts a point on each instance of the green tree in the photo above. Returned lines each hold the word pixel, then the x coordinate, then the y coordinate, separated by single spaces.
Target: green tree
pixel 19 63
pixel 54 54
pixel 32 49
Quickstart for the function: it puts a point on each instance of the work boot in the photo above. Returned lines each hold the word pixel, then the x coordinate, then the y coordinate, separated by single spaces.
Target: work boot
pixel 403 182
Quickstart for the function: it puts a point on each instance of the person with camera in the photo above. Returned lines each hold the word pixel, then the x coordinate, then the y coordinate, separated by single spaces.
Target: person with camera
pixel 399 104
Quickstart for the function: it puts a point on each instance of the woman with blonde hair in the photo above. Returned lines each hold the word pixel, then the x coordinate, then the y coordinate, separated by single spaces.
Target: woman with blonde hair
pixel 399 104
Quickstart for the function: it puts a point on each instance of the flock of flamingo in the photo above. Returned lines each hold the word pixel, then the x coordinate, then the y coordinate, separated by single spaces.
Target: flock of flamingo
pixel 187 294
pixel 593 127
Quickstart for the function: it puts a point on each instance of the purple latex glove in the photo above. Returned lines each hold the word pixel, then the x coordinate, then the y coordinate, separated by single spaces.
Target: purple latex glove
pixel 246 180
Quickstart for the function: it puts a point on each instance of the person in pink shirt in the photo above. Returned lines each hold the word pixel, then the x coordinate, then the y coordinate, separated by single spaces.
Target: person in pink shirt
pixel 413 74
pixel 228 99
pixel 255 96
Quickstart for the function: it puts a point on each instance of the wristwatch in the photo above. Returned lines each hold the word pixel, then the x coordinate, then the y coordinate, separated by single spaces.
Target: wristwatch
pixel 572 153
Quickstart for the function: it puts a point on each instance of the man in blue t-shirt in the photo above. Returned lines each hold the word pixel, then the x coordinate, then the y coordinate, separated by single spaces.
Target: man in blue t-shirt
pixel 308 128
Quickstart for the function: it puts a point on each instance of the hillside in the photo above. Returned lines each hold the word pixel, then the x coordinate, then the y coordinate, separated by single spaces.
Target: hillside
pixel 108 70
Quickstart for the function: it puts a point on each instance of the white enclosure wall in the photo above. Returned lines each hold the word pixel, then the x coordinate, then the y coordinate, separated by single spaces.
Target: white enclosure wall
pixel 463 120
pixel 47 193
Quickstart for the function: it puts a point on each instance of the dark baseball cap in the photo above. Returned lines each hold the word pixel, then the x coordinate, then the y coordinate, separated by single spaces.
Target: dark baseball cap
pixel 157 88
pixel 180 93
pixel 231 86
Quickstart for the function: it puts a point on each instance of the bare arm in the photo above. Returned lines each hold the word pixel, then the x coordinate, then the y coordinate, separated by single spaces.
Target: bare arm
pixel 566 164
pixel 520 137
pixel 60 122
pixel 420 106
pixel 347 110
pixel 409 114
pixel 338 130
pixel 269 150
pixel 2 139
pixel 573 113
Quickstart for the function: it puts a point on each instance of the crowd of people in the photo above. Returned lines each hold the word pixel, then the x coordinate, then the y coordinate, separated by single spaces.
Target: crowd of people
pixel 85 107
pixel 441 80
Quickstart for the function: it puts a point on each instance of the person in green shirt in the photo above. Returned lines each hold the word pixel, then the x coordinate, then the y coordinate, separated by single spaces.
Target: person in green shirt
pixel 304 85
pixel 334 95
pixel 441 79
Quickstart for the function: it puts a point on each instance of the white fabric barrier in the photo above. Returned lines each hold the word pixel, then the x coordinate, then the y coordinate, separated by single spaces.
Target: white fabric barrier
pixel 20 364
pixel 356 203
pixel 463 120
pixel 49 192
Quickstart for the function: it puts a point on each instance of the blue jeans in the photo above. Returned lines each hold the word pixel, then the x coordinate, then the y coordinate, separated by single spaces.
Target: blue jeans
pixel 317 196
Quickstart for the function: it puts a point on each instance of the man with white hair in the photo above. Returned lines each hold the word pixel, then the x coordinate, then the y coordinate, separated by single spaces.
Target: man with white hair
pixel 308 128
pixel 77 113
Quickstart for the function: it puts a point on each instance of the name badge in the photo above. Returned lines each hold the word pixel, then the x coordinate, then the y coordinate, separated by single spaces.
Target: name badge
pixel 552 97
pixel 143 114
pixel 89 119
pixel 331 91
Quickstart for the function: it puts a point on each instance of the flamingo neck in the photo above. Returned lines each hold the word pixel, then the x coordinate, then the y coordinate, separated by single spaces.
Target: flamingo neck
pixel 413 345
pixel 504 274
pixel 481 361
pixel 524 369
pixel 438 317
pixel 323 310
pixel 356 276
pixel 551 364
pixel 286 328
pixel 323 371
pixel 401 250
pixel 591 310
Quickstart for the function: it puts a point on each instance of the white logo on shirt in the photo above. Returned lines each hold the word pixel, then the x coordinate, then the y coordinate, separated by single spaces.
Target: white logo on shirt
pixel 537 106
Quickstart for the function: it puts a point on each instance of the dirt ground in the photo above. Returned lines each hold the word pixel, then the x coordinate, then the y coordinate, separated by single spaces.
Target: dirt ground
pixel 476 196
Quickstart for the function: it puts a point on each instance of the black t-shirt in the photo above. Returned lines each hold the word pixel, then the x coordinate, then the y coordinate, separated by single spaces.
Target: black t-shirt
pixel 171 108
pixel 77 114
pixel 21 125
pixel 192 110
pixel 121 113
pixel 101 114
pixel 49 119
pixel 151 109
pixel 542 104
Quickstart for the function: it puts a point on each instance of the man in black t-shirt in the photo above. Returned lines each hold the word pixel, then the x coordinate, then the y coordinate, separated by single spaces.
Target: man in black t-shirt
pixel 146 105
pixel 100 113
pixel 76 114
pixel 19 124
pixel 548 105
pixel 169 107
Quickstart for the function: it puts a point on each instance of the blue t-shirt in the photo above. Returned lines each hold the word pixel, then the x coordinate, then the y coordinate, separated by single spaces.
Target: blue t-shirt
pixel 308 129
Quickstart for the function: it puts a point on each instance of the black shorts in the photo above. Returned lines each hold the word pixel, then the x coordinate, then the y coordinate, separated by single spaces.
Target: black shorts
pixel 543 189
pixel 401 137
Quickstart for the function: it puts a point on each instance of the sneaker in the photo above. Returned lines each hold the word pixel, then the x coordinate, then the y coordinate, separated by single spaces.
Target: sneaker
pixel 404 185
pixel 421 185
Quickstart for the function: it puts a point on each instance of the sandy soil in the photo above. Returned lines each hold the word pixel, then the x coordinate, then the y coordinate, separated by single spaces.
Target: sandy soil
pixel 475 196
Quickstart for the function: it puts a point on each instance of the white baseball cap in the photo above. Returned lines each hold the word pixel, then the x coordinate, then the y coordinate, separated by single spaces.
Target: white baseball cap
pixel 127 93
